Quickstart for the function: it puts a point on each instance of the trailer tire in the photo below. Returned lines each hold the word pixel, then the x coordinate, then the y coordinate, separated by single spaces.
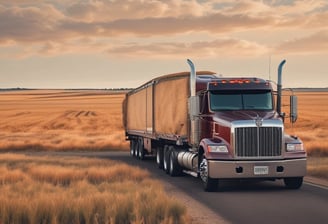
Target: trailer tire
pixel 166 159
pixel 159 157
pixel 293 182
pixel 140 151
pixel 209 184
pixel 174 168
pixel 132 147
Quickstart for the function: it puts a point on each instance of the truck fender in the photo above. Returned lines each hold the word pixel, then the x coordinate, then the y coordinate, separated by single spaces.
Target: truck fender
pixel 205 142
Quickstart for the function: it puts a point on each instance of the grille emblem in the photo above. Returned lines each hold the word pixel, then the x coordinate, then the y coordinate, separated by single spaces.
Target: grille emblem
pixel 258 121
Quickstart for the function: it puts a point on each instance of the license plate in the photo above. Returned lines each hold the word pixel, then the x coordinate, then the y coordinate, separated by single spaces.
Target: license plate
pixel 261 170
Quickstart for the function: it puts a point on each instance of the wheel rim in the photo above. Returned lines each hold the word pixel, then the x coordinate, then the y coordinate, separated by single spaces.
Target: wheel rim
pixel 158 159
pixel 203 170
pixel 140 149
pixel 171 164
pixel 131 148
pixel 165 164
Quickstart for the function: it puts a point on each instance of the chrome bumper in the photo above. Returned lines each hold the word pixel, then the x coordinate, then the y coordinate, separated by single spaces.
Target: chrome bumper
pixel 246 169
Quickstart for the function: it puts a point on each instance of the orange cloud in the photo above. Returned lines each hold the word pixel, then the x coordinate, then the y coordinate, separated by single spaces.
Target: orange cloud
pixel 313 44
pixel 200 49
pixel 57 27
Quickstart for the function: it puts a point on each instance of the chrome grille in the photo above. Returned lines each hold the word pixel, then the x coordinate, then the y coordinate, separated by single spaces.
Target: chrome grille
pixel 258 141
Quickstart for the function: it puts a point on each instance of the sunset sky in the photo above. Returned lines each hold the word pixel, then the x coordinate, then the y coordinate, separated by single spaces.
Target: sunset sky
pixel 124 43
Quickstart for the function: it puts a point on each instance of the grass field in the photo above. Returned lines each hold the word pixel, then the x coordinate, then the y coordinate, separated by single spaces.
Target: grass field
pixel 75 190
pixel 40 189
pixel 312 123
pixel 312 128
pixel 61 120
pixel 92 120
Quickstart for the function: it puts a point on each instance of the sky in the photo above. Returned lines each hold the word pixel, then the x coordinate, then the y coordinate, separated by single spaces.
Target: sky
pixel 125 43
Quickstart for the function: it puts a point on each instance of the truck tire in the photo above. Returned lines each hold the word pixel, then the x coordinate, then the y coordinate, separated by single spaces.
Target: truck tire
pixel 166 159
pixel 132 147
pixel 174 167
pixel 159 157
pixel 140 151
pixel 209 184
pixel 293 182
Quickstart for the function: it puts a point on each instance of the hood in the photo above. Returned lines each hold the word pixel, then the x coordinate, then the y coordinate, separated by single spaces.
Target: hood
pixel 229 116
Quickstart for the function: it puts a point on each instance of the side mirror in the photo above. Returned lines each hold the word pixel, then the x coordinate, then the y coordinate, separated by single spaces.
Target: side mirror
pixel 293 109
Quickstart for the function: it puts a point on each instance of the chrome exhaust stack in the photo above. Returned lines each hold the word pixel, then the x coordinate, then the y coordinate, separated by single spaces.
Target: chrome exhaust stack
pixel 279 87
pixel 192 78
pixel 193 107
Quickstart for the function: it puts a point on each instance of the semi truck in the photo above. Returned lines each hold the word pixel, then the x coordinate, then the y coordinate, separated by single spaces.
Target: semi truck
pixel 215 128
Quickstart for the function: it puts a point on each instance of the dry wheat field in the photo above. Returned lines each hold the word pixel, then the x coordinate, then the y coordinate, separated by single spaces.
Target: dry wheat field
pixel 42 189
pixel 74 190
pixel 312 128
pixel 92 120
pixel 61 120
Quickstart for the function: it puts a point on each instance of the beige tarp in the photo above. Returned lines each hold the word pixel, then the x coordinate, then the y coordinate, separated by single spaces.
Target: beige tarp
pixel 136 111
pixel 160 106
pixel 139 112
pixel 171 106
pixel 149 110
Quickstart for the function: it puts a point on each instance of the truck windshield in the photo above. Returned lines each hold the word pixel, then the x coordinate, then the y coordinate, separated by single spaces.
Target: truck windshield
pixel 235 100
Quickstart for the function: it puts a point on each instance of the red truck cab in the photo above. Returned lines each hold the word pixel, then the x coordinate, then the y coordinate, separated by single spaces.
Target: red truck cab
pixel 242 134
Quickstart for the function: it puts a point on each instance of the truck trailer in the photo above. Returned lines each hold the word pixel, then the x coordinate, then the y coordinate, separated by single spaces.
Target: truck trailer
pixel 215 128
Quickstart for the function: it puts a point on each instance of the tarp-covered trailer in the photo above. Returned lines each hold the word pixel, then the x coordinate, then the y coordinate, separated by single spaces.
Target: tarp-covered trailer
pixel 215 128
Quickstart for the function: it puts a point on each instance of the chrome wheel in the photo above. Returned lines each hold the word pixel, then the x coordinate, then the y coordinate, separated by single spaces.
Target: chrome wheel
pixel 210 184
pixel 166 159
pixel 131 147
pixel 141 153
pixel 203 170
pixel 159 158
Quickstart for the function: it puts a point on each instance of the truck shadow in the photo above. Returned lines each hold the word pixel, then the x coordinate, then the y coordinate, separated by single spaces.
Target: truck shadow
pixel 250 186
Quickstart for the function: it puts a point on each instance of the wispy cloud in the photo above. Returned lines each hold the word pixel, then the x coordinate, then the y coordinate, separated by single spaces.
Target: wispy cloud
pixel 315 43
pixel 199 49
pixel 57 27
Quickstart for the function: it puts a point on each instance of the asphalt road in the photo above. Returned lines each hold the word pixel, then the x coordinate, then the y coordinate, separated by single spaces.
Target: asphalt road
pixel 244 202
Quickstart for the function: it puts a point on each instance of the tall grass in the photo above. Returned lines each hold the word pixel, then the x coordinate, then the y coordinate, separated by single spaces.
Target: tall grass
pixel 78 190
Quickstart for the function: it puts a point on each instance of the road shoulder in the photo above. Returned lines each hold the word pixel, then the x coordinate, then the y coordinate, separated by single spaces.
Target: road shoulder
pixel 316 181
pixel 199 213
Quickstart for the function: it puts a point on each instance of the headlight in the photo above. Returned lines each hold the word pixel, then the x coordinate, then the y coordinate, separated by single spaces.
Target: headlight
pixel 294 147
pixel 217 148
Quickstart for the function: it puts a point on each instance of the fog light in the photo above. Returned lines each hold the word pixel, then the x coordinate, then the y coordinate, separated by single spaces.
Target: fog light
pixel 239 169
pixel 280 169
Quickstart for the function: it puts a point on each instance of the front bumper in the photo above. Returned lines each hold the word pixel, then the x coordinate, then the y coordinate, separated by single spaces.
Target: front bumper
pixel 246 169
